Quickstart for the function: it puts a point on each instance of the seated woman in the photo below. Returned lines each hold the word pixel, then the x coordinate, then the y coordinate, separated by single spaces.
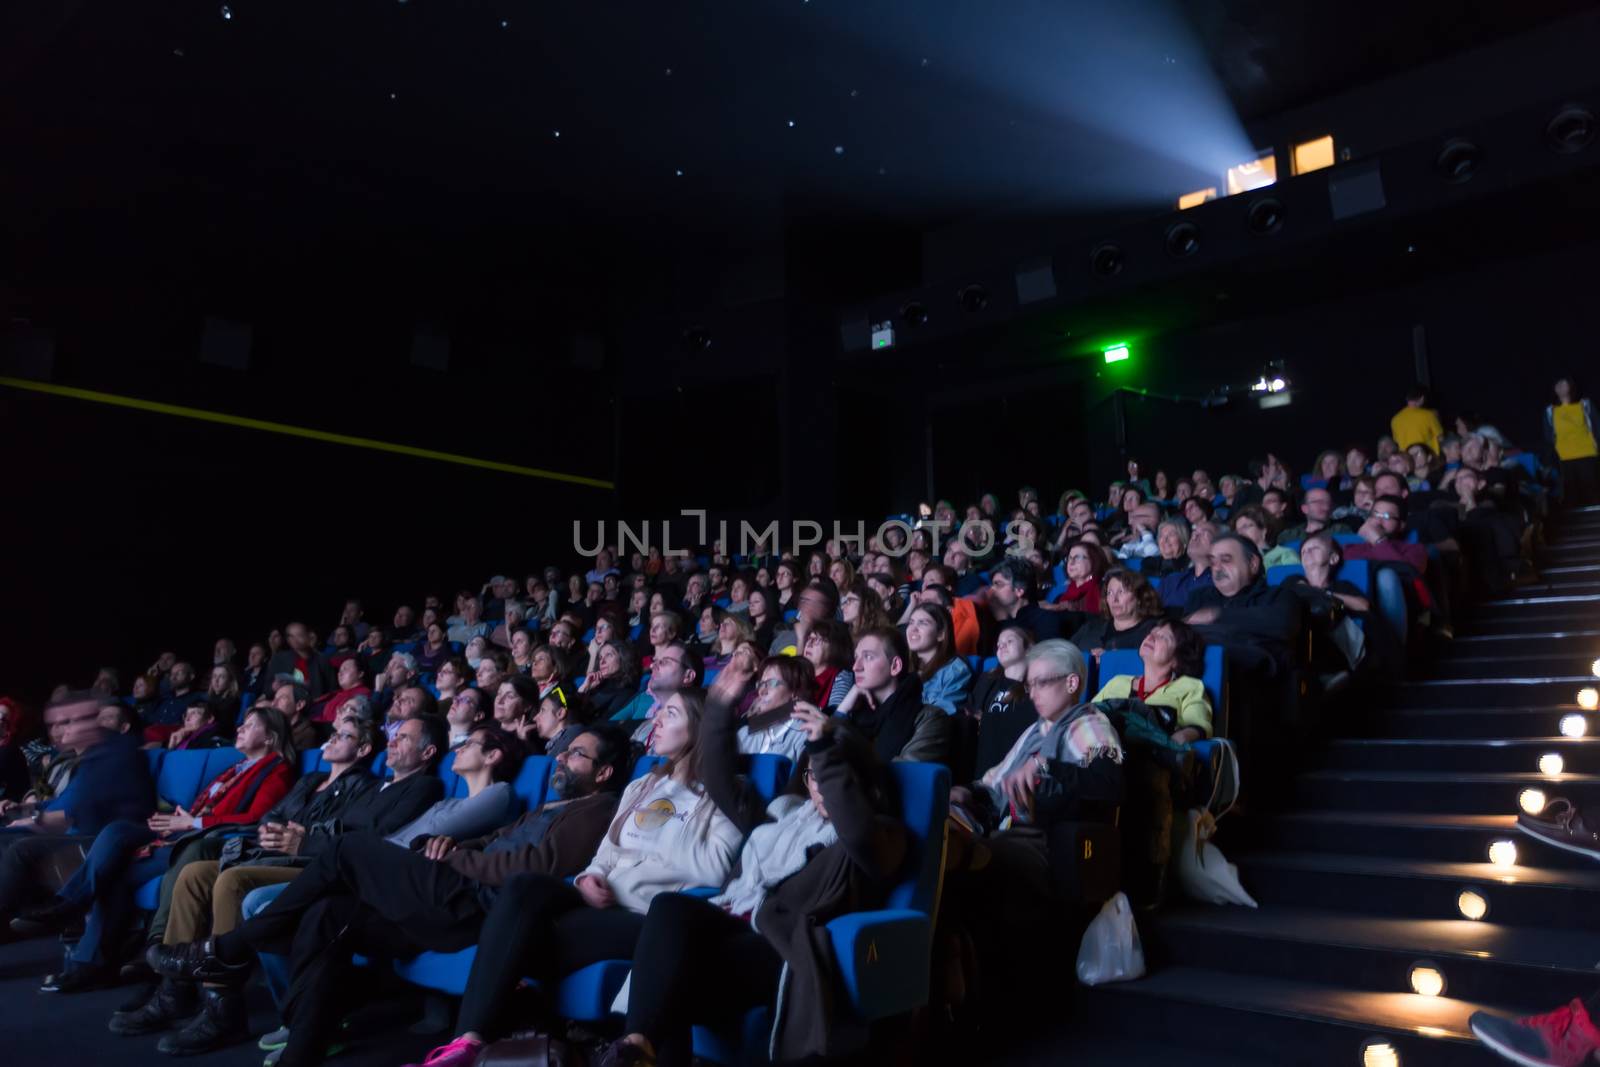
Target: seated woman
pixel 1174 658
pixel 764 616
pixel 1256 526
pixel 861 608
pixel 200 728
pixel 1172 541
pixel 1325 472
pixel 434 650
pixel 708 624
pixel 787 581
pixel 739 586
pixel 827 647
pixel 515 702
pixel 548 667
pixel 733 630
pixel 1130 609
pixel 885 704
pixel 605 630
pixel 711 961
pixel 15 780
pixel 1085 571
pixel 769 726
pixel 665 626
pixel 614 680
pixel 521 651
pixel 946 678
pixel 668 835
pixel 1000 699
pixel 119 861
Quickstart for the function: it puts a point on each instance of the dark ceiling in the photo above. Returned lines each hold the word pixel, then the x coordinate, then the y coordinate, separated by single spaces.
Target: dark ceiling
pixel 444 136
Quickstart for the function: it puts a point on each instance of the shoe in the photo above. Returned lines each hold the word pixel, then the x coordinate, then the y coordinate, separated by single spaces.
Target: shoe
pixel 75 980
pixel 45 919
pixel 137 969
pixel 1565 1037
pixel 624 1054
pixel 462 1052
pixel 275 1040
pixel 171 1003
pixel 139 999
pixel 222 1022
pixel 195 961
pixel 1562 825
pixel 277 1054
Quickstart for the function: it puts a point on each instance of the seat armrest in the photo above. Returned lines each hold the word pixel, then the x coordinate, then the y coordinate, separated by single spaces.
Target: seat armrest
pixel 884 959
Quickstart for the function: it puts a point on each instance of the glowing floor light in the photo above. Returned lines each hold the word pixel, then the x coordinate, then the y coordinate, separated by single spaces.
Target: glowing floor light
pixel 1574 726
pixel 1552 764
pixel 1589 698
pixel 1532 801
pixel 1594 668
pixel 1379 1053
pixel 1472 905
pixel 1503 853
pixel 1426 980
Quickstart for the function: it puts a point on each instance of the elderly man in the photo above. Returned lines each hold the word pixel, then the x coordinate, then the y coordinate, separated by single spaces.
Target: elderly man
pixel 1175 588
pixel 400 672
pixel 1256 621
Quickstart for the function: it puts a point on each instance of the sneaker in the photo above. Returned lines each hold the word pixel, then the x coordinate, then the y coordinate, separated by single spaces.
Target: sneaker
pixel 75 980
pixel 276 1054
pixel 1562 1038
pixel 462 1052
pixel 1561 824
pixel 274 1040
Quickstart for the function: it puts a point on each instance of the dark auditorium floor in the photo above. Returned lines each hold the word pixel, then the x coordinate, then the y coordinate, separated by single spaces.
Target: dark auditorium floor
pixel 68 1031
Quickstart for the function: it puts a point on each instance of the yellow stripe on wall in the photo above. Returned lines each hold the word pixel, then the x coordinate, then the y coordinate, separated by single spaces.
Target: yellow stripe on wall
pixel 297 431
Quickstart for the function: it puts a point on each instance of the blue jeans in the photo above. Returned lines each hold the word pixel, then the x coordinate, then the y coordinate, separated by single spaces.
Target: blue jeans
pixel 274 967
pixel 1391 593
pixel 106 882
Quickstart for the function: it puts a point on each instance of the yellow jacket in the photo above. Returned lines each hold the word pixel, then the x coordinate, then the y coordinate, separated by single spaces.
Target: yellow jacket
pixel 1185 695
pixel 1416 426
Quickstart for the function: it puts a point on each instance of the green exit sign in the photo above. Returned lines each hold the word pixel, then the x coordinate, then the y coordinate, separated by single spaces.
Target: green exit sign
pixel 1117 353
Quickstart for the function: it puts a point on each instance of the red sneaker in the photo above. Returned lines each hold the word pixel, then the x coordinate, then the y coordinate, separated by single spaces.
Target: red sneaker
pixel 1565 1037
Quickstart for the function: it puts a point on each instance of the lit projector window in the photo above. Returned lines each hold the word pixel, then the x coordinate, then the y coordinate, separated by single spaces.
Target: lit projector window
pixel 1200 196
pixel 1313 155
pixel 1259 172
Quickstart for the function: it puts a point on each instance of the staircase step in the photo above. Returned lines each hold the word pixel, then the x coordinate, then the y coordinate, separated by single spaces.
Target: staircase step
pixel 1533 622
pixel 1473 663
pixel 1426 889
pixel 1473 793
pixel 1533 689
pixel 1578 756
pixel 1485 723
pixel 1579 641
pixel 1445 836
pixel 1537 604
pixel 1291 1022
pixel 1528 969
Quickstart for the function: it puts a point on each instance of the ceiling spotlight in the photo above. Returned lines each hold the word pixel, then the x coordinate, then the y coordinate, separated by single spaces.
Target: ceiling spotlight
pixel 1531 801
pixel 914 313
pixel 1183 239
pixel 1472 905
pixel 1426 979
pixel 974 298
pixel 1458 161
pixel 1552 764
pixel 1264 216
pixel 695 339
pixel 1503 853
pixel 1571 131
pixel 1574 726
pixel 1106 261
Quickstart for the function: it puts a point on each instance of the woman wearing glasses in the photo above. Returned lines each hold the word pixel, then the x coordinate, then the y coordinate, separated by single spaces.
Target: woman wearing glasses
pixel 769 726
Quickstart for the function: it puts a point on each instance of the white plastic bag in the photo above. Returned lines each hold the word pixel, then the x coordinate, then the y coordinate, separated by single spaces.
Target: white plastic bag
pixel 1203 871
pixel 1110 951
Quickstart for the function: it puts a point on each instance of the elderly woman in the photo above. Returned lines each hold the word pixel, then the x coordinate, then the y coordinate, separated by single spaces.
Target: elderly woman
pixel 1085 568
pixel 614 680
pixel 1130 610
pixel 828 648
pixel 1174 658
pixel 1172 544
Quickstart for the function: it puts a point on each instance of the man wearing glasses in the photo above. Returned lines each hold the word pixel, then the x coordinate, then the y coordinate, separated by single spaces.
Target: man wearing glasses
pixel 364 895
pixel 1393 559
pixel 672 670
pixel 819 600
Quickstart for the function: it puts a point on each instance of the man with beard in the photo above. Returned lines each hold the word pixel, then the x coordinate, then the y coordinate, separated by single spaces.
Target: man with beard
pixel 365 895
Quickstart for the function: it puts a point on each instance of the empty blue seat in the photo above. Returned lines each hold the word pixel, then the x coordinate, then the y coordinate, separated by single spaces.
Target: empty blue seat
pixel 990 663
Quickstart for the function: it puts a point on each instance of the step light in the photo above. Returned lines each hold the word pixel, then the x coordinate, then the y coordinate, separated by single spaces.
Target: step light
pixel 1594 668
pixel 1503 853
pixel 1532 801
pixel 1426 979
pixel 1377 1052
pixel 1589 698
pixel 1472 905
pixel 1574 726
pixel 1552 764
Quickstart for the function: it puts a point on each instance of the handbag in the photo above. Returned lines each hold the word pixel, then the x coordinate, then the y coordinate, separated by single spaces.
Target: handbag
pixel 1110 950
pixel 530 1048
pixel 1203 871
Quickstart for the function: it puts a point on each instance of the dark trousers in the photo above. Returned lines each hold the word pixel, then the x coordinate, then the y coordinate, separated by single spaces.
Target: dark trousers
pixel 23 857
pixel 360 895
pixel 539 927
pixel 1580 482
pixel 106 883
pixel 695 963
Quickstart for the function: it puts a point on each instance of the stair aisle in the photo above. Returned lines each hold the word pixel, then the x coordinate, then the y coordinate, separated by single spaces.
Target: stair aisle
pixel 1386 840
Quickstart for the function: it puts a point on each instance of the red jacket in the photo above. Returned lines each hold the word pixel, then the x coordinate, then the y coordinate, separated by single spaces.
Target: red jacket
pixel 1413 555
pixel 243 797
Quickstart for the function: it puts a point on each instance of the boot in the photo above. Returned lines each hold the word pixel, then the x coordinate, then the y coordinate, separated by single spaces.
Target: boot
pixel 172 1002
pixel 222 1021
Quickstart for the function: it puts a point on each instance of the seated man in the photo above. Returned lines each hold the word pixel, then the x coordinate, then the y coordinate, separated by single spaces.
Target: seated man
pixel 1011 597
pixel 471 624
pixel 365 895
pixel 111 784
pixel 167 715
pixel 675 669
pixel 1256 621
pixel 301 657
pixel 1317 507
pixel 1174 589
pixel 1395 560
pixel 817 601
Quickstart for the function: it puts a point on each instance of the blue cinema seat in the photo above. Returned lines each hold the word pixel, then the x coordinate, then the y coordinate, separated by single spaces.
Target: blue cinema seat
pixel 179 775
pixel 1126 661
